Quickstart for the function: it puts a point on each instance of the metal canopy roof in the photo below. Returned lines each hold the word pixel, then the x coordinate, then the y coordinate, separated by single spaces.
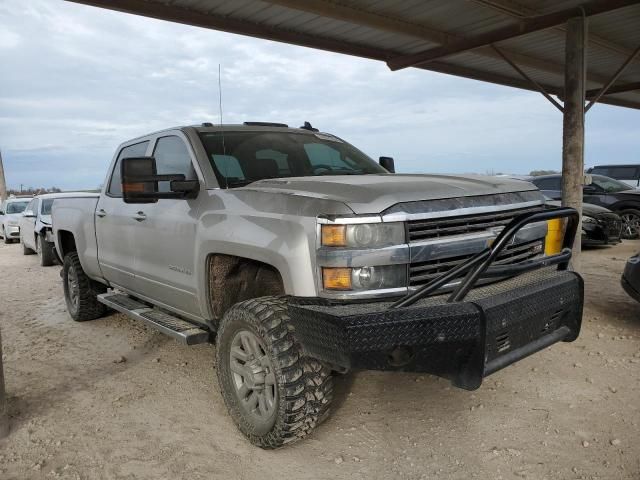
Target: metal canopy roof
pixel 519 44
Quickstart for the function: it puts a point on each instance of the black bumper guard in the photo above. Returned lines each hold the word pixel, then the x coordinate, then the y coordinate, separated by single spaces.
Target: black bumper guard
pixel 465 335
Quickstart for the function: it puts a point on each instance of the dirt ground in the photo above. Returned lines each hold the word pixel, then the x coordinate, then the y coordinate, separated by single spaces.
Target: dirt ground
pixel 79 412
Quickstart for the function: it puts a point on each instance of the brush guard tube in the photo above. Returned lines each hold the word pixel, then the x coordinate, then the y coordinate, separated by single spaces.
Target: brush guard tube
pixel 463 336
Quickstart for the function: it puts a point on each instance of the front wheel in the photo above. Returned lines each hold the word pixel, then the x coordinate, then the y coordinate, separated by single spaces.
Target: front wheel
pixel 274 393
pixel 630 223
pixel 6 239
pixel 45 251
pixel 80 292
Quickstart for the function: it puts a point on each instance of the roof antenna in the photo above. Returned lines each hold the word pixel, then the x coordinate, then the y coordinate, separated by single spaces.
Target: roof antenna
pixel 307 126
pixel 224 148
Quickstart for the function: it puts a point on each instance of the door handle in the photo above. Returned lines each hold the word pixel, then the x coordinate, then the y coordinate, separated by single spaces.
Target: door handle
pixel 101 213
pixel 140 216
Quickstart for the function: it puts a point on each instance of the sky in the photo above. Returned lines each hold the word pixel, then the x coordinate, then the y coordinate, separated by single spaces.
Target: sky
pixel 76 81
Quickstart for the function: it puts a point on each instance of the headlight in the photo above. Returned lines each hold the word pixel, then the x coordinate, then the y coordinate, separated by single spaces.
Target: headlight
pixel 12 223
pixel 587 219
pixel 364 235
pixel 364 278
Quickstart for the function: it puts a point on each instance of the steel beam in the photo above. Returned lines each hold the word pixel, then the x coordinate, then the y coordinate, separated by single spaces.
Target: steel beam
pixel 613 78
pixel 573 122
pixel 517 10
pixel 625 87
pixel 524 75
pixel 522 27
pixel 358 16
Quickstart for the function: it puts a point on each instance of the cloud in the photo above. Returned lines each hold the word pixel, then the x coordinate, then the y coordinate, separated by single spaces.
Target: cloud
pixel 77 81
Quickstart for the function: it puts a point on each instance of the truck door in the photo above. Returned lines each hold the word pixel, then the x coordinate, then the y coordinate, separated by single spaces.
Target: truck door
pixel 165 238
pixel 116 224
pixel 28 224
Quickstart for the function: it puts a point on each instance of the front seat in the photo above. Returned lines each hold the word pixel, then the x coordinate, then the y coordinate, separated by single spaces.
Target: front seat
pixel 261 168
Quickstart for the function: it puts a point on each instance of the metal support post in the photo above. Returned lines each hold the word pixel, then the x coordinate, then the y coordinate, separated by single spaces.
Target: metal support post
pixel 573 122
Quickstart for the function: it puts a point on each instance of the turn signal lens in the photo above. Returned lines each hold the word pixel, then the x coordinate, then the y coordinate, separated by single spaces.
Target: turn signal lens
pixel 336 278
pixel 555 236
pixel 334 235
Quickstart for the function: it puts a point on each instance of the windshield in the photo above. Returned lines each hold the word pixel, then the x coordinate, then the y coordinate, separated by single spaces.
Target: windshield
pixel 239 158
pixel 17 207
pixel 609 184
pixel 46 206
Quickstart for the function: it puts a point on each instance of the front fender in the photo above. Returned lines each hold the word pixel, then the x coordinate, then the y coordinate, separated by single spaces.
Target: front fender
pixel 279 230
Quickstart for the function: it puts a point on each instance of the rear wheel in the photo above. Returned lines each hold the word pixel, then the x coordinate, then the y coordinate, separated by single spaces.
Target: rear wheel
pixel 273 392
pixel 630 223
pixel 45 251
pixel 80 292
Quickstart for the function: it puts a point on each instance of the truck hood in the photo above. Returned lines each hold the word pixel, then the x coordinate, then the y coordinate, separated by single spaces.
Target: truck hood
pixel 12 216
pixel 375 193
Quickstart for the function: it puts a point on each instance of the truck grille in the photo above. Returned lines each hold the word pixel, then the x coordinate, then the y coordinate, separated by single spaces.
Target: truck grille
pixel 421 273
pixel 443 227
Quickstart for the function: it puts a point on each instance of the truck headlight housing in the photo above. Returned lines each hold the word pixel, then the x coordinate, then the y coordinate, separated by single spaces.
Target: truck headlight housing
pixel 12 223
pixel 364 278
pixel 588 219
pixel 363 235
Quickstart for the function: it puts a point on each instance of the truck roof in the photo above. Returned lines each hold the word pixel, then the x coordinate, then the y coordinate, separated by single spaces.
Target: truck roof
pixel 246 126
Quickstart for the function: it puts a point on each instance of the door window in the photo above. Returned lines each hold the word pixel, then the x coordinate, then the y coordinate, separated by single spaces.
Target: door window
pixel 136 150
pixel 172 157
pixel 549 183
pixel 32 206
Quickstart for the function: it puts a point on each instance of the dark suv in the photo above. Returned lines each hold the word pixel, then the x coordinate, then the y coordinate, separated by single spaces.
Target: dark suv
pixel 604 191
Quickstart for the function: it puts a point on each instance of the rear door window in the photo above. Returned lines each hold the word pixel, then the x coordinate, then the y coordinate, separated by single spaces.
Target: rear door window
pixel 135 150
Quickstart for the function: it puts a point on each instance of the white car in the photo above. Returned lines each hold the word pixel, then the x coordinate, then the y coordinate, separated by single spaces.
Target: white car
pixel 10 213
pixel 35 227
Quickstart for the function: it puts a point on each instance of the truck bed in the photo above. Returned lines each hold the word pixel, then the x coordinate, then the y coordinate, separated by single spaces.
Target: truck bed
pixel 76 215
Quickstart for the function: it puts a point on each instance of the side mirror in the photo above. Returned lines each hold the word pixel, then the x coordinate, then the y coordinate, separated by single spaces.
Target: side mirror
pixel 28 214
pixel 140 182
pixel 387 164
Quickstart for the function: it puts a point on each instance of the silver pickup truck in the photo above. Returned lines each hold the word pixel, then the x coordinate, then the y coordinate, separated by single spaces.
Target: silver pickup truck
pixel 300 257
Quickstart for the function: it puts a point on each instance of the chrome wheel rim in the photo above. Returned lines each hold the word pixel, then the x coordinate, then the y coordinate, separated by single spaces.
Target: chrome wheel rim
pixel 630 225
pixel 253 377
pixel 72 287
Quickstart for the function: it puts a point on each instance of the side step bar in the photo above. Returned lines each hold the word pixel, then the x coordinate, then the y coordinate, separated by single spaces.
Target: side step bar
pixel 175 327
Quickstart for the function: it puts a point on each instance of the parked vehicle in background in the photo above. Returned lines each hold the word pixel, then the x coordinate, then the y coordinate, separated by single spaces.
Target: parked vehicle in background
pixel 629 174
pixel 606 192
pixel 36 234
pixel 10 213
pixel 631 277
pixel 600 226
pixel 301 256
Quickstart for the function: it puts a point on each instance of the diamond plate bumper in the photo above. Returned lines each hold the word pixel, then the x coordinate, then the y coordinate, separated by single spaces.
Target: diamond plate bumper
pixel 494 326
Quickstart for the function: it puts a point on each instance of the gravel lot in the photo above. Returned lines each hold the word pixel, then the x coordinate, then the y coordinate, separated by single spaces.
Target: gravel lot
pixel 111 399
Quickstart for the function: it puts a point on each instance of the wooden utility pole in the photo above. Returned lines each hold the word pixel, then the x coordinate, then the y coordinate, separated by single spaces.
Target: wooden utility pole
pixel 573 122
pixel 3 184
pixel 4 418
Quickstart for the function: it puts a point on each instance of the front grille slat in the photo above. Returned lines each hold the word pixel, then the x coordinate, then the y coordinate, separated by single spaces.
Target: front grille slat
pixel 421 273
pixel 437 228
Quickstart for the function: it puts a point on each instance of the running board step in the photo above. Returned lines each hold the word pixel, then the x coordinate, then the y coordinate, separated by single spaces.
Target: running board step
pixel 168 324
